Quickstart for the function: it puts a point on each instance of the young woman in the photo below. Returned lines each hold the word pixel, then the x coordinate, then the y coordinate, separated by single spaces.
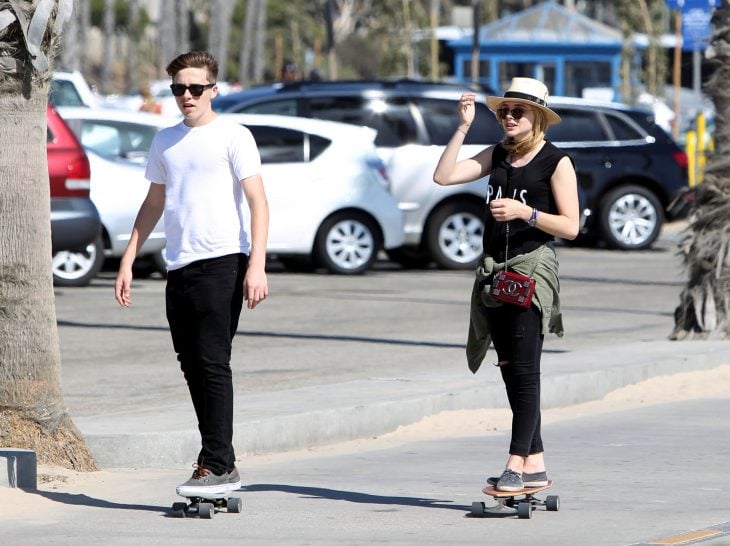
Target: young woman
pixel 532 198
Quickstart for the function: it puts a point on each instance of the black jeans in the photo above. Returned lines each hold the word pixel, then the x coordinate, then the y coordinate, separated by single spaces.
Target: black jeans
pixel 204 301
pixel 517 337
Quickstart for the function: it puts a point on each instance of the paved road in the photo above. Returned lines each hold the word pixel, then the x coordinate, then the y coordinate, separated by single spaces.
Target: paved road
pixel 623 478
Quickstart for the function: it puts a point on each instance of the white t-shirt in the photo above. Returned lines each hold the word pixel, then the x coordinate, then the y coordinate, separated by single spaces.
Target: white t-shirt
pixel 202 169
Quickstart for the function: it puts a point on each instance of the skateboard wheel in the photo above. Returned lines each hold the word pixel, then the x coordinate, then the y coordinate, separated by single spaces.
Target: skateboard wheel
pixel 206 510
pixel 234 504
pixel 477 508
pixel 178 509
pixel 524 510
pixel 552 503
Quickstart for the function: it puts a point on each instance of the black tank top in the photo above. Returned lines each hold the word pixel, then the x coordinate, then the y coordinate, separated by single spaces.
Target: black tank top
pixel 529 184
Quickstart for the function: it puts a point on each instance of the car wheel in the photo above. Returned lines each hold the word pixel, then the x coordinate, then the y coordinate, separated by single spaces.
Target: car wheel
pixel 631 217
pixel 454 235
pixel 347 243
pixel 77 268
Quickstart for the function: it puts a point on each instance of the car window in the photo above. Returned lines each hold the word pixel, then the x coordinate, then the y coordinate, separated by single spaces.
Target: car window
pixel 317 145
pixel 390 117
pixel 63 93
pixel 621 129
pixel 284 107
pixel 278 145
pixel 576 126
pixel 130 141
pixel 441 119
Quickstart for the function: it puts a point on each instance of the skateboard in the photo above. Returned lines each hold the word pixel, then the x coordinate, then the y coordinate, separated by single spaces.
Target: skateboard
pixel 205 507
pixel 515 503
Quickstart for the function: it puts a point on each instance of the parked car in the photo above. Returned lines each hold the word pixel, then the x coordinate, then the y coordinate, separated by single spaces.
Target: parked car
pixel 327 191
pixel 72 89
pixel 630 171
pixel 117 144
pixel 443 224
pixel 75 222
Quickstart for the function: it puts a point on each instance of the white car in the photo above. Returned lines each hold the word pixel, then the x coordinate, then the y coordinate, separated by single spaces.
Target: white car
pixel 72 89
pixel 327 191
pixel 117 144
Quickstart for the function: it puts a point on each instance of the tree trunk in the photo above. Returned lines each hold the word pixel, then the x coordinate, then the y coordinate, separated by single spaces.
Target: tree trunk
pixel 221 12
pixel 245 63
pixel 107 67
pixel 705 301
pixel 259 54
pixel 32 411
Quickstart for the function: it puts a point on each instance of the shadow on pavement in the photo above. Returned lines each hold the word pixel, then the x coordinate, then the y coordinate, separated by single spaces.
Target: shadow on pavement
pixel 353 496
pixel 84 500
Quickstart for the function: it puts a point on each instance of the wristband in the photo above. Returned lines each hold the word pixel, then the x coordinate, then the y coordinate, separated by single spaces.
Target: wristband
pixel 532 222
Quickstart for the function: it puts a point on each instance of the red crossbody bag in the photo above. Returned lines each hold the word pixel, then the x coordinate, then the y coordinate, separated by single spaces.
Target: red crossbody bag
pixel 512 287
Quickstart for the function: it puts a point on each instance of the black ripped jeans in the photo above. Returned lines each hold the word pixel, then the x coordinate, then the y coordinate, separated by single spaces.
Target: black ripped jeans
pixel 204 301
pixel 517 337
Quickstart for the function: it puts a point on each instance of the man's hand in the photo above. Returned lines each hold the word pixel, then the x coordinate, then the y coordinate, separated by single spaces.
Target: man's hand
pixel 123 287
pixel 255 287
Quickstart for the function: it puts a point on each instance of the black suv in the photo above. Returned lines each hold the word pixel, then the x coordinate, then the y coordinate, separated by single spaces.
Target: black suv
pixel 629 170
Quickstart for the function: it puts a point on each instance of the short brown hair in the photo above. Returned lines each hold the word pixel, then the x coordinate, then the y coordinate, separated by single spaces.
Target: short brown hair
pixel 194 59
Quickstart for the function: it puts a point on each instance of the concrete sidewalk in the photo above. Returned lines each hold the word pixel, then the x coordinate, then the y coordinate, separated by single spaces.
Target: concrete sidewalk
pixel 315 415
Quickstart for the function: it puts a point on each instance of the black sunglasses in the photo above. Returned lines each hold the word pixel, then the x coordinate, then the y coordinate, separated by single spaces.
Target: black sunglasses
pixel 196 89
pixel 516 112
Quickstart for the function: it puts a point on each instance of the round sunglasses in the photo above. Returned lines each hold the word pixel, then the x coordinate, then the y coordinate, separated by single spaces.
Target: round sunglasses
pixel 517 112
pixel 196 89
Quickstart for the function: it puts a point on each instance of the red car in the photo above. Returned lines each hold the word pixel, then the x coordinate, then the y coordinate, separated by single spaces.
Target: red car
pixel 75 223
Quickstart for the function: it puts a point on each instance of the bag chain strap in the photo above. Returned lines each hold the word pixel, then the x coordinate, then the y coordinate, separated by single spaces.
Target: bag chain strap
pixel 506 249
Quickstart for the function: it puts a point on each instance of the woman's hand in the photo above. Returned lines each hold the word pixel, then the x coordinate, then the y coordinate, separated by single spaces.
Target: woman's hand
pixel 466 110
pixel 504 210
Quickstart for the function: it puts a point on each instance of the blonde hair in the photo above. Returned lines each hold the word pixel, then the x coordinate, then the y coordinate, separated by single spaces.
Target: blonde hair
pixel 532 141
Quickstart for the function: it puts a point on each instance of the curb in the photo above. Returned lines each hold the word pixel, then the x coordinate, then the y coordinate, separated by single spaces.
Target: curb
pixel 319 415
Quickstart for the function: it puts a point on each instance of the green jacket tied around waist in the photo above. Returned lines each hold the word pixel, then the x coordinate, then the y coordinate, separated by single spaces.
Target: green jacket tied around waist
pixel 540 264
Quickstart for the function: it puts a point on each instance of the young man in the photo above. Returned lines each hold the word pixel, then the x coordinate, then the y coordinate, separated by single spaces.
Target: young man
pixel 203 171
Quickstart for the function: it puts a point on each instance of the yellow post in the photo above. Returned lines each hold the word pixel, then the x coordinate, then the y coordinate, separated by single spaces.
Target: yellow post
pixel 691 149
pixel 701 147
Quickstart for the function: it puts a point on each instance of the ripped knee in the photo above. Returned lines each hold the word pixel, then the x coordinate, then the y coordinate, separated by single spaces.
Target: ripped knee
pixel 501 363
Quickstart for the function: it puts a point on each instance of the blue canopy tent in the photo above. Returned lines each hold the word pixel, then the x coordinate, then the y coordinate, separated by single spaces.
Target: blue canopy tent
pixel 573 54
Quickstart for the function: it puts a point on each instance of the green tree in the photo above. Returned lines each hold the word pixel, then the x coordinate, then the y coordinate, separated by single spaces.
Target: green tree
pixel 652 18
pixel 32 411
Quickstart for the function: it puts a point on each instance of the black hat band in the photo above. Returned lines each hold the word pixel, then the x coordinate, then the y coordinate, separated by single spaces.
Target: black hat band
pixel 525 96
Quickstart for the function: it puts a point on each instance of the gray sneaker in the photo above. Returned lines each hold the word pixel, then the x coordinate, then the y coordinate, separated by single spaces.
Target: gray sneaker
pixel 510 481
pixel 536 479
pixel 234 480
pixel 203 483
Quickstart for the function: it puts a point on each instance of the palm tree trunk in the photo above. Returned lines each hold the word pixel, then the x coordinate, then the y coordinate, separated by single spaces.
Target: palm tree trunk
pixel 32 411
pixel 705 301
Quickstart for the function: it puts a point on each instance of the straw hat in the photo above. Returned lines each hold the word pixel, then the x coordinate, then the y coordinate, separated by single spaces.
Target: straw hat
pixel 526 91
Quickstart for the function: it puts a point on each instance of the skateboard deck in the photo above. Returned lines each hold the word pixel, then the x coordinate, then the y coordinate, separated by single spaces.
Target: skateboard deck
pixel 205 506
pixel 515 503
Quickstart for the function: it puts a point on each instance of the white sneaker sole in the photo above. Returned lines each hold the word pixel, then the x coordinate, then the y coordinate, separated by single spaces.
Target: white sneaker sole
pixel 207 492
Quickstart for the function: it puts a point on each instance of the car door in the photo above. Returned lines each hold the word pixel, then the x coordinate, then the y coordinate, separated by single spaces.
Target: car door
pixel 582 133
pixel 291 184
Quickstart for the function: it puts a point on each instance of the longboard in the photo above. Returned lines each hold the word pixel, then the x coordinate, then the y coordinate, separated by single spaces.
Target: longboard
pixel 205 507
pixel 515 503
